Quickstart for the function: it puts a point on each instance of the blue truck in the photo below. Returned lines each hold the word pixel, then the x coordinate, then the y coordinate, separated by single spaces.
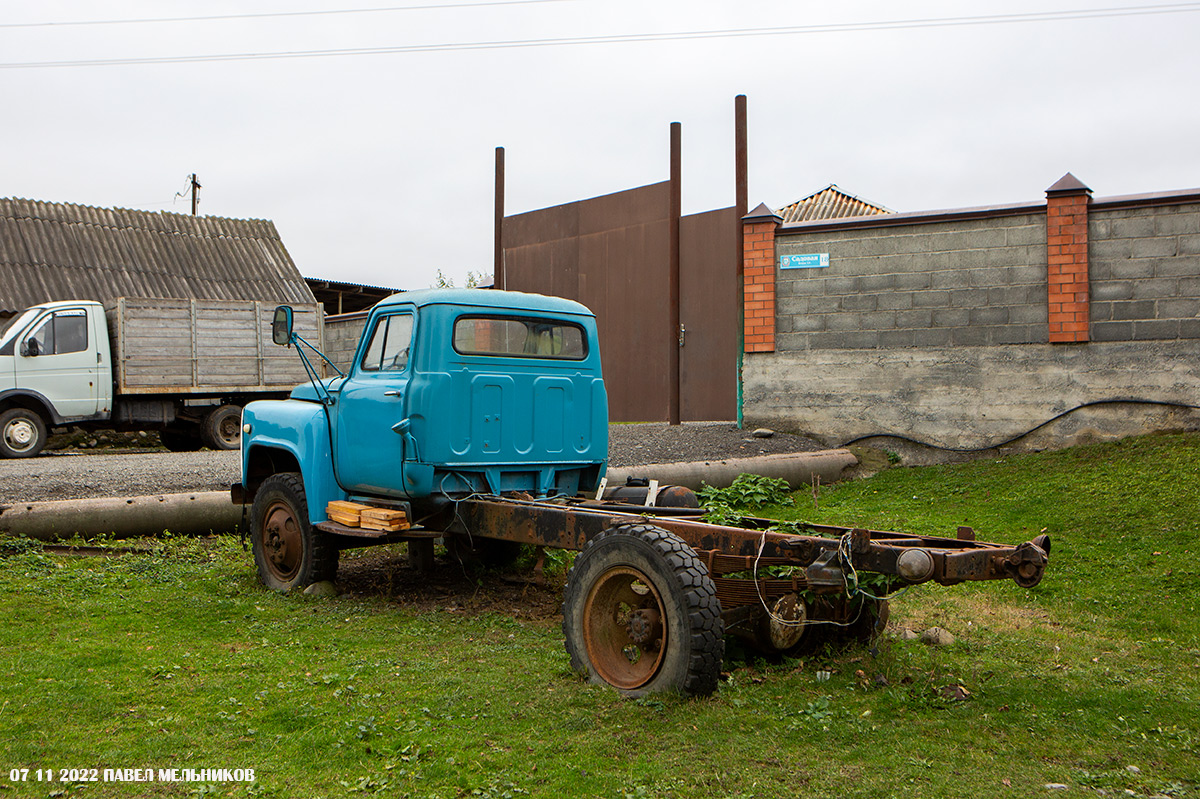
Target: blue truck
pixel 478 419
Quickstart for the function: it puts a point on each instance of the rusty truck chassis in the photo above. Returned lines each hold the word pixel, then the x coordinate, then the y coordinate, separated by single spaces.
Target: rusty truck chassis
pixel 823 559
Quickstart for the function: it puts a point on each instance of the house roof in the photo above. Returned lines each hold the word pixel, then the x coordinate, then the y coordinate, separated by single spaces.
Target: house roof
pixel 61 251
pixel 829 203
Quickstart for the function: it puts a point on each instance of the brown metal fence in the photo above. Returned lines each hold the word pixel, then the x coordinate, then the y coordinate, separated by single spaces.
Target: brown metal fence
pixel 612 253
pixel 708 283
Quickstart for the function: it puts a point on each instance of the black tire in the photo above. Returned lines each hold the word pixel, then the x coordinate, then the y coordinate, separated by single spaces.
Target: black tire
pixel 872 619
pixel 641 613
pixel 22 433
pixel 222 428
pixel 288 552
pixel 179 440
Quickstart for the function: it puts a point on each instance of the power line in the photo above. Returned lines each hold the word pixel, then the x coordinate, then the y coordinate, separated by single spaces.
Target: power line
pixel 272 14
pixel 634 38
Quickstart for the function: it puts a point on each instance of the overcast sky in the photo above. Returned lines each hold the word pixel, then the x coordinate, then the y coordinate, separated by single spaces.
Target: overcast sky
pixel 378 168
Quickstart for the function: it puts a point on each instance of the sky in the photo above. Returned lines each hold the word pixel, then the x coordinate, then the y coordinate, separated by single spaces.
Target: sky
pixel 377 167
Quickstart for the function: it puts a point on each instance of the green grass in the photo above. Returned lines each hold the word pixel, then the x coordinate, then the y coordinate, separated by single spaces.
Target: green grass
pixel 180 660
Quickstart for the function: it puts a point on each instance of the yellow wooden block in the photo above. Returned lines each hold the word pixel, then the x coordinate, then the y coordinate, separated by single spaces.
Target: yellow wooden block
pixel 341 506
pixel 386 515
pixel 387 527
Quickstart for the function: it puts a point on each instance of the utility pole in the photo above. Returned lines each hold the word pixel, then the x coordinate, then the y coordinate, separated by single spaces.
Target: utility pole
pixel 499 279
pixel 195 192
pixel 675 340
pixel 742 193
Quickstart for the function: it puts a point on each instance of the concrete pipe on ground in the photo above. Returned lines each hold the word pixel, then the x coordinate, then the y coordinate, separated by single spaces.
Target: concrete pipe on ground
pixel 799 469
pixel 196 513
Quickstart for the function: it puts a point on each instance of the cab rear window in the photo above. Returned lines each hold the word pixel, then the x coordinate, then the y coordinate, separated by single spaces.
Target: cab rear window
pixel 519 338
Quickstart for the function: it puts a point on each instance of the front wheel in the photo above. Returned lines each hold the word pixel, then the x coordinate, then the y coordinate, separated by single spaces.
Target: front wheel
pixel 288 552
pixel 641 614
pixel 22 433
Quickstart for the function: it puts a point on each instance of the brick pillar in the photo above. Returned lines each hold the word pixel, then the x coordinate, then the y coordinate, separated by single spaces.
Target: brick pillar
pixel 758 259
pixel 1067 259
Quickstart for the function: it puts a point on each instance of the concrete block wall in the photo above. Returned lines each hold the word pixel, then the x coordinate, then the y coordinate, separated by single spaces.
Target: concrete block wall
pixel 1145 273
pixel 962 283
pixel 962 329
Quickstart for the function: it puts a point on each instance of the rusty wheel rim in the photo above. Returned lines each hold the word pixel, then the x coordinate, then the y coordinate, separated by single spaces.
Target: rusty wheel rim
pixel 624 628
pixel 230 429
pixel 283 542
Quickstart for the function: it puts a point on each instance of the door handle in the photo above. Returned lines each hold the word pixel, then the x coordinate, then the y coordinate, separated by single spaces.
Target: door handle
pixel 392 393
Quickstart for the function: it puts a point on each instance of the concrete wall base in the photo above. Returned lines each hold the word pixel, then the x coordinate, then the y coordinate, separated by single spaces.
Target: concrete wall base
pixel 976 397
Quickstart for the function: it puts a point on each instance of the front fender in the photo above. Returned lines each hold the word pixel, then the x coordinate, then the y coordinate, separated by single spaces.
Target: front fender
pixel 27 398
pixel 300 430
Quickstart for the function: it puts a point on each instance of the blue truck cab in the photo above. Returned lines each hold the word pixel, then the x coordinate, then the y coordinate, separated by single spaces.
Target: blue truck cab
pixel 452 392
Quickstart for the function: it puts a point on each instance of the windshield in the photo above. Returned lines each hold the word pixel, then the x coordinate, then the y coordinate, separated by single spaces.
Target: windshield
pixel 18 325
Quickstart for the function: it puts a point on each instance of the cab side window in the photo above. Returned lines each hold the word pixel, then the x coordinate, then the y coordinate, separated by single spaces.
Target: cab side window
pixel 388 348
pixel 70 332
pixel 62 332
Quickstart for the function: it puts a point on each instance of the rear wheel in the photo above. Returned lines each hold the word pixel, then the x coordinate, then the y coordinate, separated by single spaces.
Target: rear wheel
pixel 288 552
pixel 222 428
pixel 795 627
pixel 641 613
pixel 871 620
pixel 22 433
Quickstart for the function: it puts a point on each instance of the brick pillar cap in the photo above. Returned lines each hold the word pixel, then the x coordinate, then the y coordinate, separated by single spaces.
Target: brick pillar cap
pixel 1068 184
pixel 761 214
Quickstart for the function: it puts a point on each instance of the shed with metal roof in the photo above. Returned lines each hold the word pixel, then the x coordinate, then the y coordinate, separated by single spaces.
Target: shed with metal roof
pixel 62 251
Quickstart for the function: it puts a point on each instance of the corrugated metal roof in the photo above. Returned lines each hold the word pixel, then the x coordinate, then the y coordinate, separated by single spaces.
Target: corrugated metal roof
pixel 829 203
pixel 61 251
pixel 340 298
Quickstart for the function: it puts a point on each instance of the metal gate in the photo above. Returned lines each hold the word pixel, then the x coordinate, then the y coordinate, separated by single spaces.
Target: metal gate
pixel 612 253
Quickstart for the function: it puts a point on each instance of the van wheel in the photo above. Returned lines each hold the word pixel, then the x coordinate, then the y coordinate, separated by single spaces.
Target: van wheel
pixel 222 428
pixel 22 433
pixel 641 613
pixel 288 552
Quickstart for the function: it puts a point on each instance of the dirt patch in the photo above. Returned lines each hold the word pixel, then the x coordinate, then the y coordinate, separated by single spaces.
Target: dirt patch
pixel 386 573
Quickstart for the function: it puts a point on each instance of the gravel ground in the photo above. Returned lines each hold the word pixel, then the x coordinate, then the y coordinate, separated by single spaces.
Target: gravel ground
pixel 637 444
pixel 125 473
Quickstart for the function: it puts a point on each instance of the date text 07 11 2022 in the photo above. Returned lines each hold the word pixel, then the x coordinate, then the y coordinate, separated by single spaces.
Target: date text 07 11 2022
pixel 131 775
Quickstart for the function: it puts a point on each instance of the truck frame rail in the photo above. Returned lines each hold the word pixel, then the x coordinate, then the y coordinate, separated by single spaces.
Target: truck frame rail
pixel 654 590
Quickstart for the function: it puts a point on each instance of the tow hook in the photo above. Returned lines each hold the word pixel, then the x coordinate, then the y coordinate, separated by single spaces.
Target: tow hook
pixel 1027 563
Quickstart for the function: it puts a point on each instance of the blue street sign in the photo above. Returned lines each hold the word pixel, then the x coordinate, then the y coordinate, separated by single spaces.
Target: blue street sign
pixel 808 261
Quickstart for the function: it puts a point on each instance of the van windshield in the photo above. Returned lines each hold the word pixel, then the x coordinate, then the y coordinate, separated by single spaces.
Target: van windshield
pixel 17 325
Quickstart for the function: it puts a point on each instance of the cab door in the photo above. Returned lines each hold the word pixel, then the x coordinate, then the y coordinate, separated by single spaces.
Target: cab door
pixel 59 360
pixel 370 449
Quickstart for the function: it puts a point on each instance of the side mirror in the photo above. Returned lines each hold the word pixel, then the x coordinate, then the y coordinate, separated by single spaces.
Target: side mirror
pixel 30 348
pixel 281 326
